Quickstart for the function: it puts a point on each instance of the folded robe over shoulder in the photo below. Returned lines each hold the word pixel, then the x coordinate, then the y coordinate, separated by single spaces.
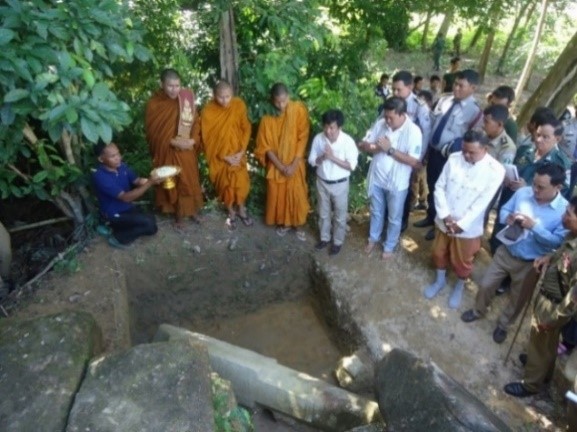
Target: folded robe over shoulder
pixel 161 126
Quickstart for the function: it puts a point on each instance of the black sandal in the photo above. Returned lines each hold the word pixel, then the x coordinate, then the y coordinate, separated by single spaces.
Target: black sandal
pixel 246 220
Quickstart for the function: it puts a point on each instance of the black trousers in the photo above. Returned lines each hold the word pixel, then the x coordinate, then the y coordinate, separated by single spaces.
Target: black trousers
pixel 494 242
pixel 435 166
pixel 129 225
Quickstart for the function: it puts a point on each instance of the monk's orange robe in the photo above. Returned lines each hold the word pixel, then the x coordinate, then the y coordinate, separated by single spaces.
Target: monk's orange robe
pixel 161 125
pixel 225 131
pixel 287 136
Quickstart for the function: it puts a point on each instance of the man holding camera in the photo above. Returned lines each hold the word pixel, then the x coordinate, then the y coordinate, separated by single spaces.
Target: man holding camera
pixel 533 217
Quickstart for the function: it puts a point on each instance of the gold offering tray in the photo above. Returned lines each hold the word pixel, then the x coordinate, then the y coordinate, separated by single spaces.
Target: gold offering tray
pixel 168 174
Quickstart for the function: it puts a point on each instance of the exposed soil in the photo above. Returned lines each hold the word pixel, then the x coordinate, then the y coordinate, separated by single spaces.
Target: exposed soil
pixel 251 287
pixel 235 285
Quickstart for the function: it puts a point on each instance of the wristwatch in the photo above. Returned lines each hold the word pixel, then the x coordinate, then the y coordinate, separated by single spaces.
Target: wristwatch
pixel 391 151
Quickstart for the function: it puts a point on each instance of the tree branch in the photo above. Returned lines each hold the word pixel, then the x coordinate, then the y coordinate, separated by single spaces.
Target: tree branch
pixel 66 140
pixel 30 135
pixel 26 178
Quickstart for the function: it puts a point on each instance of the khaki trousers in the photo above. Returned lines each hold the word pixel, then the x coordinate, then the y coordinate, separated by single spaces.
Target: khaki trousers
pixel 419 187
pixel 503 264
pixel 333 203
pixel 542 348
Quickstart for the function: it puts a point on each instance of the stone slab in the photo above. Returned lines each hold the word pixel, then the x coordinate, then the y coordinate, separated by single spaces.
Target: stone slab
pixel 42 362
pixel 148 388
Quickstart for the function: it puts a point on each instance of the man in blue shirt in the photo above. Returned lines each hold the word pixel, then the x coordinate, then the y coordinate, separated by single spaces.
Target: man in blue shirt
pixel 117 186
pixel 538 211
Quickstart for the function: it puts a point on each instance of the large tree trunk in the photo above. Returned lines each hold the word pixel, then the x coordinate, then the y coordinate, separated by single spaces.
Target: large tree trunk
pixel 531 55
pixel 530 11
pixel 426 30
pixel 510 38
pixel 445 24
pixel 475 39
pixel 484 60
pixel 558 87
pixel 494 15
pixel 228 49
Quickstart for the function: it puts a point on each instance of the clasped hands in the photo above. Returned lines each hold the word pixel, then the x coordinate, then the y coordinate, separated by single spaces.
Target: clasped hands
pixel 234 159
pixel 381 144
pixel 327 155
pixel 289 170
pixel 451 225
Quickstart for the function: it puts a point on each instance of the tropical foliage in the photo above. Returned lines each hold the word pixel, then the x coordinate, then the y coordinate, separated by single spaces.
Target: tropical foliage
pixel 74 72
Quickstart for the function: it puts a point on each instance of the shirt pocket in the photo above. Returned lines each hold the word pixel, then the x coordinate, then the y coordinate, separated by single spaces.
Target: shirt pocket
pixel 457 123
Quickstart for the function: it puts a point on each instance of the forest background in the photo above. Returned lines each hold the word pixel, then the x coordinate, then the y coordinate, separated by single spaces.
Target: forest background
pixel 75 72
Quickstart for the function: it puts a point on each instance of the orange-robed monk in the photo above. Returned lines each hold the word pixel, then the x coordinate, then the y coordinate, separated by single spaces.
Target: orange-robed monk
pixel 170 116
pixel 281 145
pixel 224 131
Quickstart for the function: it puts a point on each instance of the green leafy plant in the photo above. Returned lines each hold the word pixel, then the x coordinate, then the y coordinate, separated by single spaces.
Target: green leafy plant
pixel 227 419
pixel 56 61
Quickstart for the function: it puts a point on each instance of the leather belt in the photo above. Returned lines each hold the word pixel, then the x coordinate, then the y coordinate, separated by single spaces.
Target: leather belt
pixel 344 179
pixel 549 297
pixel 523 259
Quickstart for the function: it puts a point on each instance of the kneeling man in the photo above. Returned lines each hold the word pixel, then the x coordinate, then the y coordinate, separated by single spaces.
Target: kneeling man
pixel 116 187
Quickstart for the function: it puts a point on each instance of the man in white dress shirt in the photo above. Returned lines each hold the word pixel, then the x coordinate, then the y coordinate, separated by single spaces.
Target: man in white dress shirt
pixel 468 182
pixel 395 143
pixel 419 112
pixel 453 115
pixel 335 155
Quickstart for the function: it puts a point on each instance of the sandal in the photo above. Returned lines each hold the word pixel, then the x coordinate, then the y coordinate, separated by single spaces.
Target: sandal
pixel 179 226
pixel 246 220
pixel 231 222
pixel 197 219
pixel 301 235
pixel 281 231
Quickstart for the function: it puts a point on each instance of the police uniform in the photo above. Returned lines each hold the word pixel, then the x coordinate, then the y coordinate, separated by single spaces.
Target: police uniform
pixel 419 112
pixel 553 308
pixel 527 166
pixel 463 116
pixel 502 148
pixel 511 128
